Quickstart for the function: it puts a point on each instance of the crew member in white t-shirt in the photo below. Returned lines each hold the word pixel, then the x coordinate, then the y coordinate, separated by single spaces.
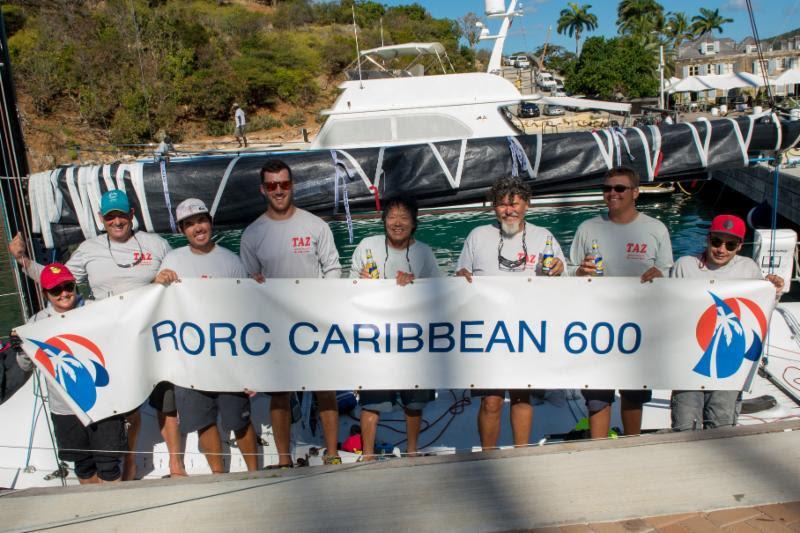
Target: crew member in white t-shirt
pixel 631 244
pixel 394 255
pixel 289 242
pixel 692 410
pixel 239 125
pixel 197 410
pixel 509 247
pixel 117 261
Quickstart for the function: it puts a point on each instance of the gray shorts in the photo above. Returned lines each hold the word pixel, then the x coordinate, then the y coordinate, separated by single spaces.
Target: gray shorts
pixel 695 409
pixel 238 131
pixel 480 393
pixel 599 399
pixel 199 409
pixel 163 398
pixel 383 401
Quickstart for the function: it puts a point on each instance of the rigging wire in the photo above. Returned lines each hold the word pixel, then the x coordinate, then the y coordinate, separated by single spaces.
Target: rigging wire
pixel 761 63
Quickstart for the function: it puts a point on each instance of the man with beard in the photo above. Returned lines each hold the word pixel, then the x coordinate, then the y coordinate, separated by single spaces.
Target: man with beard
pixel 289 242
pixel 632 244
pixel 197 410
pixel 394 255
pixel 117 261
pixel 508 247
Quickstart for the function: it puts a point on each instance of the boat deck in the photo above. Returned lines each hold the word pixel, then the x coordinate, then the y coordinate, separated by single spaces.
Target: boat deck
pixel 542 486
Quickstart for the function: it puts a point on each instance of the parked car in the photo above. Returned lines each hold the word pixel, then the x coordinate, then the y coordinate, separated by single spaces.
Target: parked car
pixel 519 61
pixel 545 81
pixel 553 110
pixel 529 110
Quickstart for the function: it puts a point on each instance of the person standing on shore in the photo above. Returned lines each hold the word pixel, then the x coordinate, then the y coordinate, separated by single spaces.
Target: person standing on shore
pixel 197 410
pixel 239 125
pixel 698 409
pixel 117 261
pixel 289 242
pixel 632 244
pixel 508 247
pixel 394 255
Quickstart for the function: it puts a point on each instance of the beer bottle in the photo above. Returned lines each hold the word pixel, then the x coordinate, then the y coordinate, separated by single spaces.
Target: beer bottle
pixel 372 266
pixel 548 256
pixel 599 268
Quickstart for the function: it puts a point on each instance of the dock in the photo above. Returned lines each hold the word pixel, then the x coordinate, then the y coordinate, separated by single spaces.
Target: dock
pixel 757 183
pixel 751 470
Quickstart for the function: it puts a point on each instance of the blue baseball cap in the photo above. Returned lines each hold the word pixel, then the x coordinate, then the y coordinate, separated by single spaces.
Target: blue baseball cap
pixel 114 200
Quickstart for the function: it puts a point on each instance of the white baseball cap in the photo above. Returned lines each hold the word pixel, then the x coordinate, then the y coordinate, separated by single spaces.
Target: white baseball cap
pixel 189 208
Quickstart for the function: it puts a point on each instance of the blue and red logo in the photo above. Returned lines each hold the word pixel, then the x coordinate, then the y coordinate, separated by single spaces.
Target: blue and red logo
pixel 729 332
pixel 76 363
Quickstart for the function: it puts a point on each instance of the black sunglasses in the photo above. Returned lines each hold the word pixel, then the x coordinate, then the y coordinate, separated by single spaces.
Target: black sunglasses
pixel 508 264
pixel 616 188
pixel 58 289
pixel 731 246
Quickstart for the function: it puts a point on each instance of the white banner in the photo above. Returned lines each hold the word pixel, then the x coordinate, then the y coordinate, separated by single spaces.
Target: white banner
pixel 311 334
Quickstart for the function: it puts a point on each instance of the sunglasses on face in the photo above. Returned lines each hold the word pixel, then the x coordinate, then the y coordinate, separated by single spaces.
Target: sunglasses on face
pixel 273 186
pixel 616 188
pixel 58 289
pixel 108 217
pixel 731 246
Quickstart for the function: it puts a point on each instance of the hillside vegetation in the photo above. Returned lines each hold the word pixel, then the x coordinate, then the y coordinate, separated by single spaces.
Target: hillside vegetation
pixel 125 72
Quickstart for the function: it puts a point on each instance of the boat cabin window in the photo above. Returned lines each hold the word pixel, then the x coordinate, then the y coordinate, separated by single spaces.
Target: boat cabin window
pixel 412 127
pixel 396 129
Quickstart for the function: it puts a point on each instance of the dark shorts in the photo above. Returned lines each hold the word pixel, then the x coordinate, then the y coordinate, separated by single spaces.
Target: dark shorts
pixel 163 398
pixel 383 401
pixel 199 409
pixel 599 399
pixel 80 444
pixel 480 393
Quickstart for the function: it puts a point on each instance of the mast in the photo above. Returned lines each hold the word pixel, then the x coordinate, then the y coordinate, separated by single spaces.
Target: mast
pixel 495 60
pixel 13 168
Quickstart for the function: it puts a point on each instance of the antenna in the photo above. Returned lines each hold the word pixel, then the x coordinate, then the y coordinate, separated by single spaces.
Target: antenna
pixel 382 31
pixel 358 51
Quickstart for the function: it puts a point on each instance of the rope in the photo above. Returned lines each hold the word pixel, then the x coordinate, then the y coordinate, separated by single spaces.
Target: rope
pixel 167 200
pixel 341 175
pixel 757 39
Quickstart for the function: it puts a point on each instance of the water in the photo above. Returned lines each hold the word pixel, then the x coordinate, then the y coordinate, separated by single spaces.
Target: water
pixel 687 219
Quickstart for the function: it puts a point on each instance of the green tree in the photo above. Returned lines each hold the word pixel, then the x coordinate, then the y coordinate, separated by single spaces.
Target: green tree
pixel 708 21
pixel 678 29
pixel 609 67
pixel 639 17
pixel 557 59
pixel 575 20
pixel 469 30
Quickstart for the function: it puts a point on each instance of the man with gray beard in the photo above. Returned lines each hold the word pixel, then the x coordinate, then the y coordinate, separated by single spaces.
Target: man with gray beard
pixel 508 247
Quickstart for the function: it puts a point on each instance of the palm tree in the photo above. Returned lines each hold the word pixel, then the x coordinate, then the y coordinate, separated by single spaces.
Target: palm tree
pixel 678 29
pixel 640 17
pixel 708 21
pixel 575 20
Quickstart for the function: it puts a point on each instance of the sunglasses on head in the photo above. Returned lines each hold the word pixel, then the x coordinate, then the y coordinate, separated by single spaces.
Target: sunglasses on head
pixel 731 246
pixel 616 188
pixel 273 186
pixel 58 289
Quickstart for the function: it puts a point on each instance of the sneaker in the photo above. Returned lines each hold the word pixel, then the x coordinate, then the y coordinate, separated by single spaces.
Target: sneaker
pixel 331 460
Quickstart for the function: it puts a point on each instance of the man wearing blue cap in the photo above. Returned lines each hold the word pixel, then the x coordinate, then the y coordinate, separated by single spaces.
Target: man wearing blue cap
pixel 114 262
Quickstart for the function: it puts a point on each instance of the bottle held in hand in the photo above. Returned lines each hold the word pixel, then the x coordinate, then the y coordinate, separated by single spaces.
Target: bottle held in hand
pixel 599 268
pixel 548 256
pixel 372 266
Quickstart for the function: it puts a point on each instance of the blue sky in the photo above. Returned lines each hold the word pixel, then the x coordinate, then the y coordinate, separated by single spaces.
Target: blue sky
pixel 772 17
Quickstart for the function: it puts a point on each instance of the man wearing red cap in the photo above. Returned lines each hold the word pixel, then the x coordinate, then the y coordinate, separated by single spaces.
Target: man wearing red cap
pixel 95 449
pixel 710 409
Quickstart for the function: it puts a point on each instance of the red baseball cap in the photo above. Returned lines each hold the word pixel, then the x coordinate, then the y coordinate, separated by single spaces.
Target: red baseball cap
pixel 730 224
pixel 54 275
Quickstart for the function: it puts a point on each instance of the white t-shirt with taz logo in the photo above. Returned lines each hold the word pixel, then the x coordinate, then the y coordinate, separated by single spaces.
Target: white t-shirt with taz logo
pixel 218 263
pixel 628 249
pixel 299 247
pixel 126 266
pixel 479 254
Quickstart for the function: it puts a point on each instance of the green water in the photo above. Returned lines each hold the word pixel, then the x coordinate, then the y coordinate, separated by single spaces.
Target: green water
pixel 687 219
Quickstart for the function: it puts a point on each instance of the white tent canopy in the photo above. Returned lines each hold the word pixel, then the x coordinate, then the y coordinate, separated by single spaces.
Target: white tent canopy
pixel 405 49
pixel 691 84
pixel 789 77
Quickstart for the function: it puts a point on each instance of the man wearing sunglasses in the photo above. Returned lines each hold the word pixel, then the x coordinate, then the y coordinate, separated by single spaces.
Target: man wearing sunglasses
pixel 394 255
pixel 694 410
pixel 632 244
pixel 95 449
pixel 508 247
pixel 114 262
pixel 289 242
pixel 197 410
